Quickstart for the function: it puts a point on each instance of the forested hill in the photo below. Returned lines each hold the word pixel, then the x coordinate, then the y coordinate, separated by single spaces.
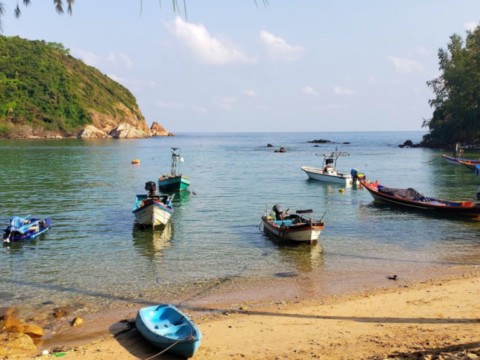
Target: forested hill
pixel 46 92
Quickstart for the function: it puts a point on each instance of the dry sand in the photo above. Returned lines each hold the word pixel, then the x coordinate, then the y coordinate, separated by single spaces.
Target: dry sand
pixel 409 321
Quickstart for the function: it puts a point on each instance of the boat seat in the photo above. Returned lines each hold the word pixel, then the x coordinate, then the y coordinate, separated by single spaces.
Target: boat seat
pixel 286 222
pixel 179 331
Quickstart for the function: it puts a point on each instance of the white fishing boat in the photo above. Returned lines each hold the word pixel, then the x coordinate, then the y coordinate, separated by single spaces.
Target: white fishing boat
pixel 328 171
pixel 295 228
pixel 152 209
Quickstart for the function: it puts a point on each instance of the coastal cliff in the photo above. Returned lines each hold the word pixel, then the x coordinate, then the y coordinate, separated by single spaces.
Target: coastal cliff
pixel 46 93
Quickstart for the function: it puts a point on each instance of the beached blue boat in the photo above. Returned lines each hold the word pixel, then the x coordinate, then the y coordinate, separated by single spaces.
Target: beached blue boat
pixel 25 228
pixel 174 181
pixel 167 328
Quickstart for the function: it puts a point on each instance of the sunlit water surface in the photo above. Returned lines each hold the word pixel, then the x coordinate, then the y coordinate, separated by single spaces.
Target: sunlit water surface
pixel 93 254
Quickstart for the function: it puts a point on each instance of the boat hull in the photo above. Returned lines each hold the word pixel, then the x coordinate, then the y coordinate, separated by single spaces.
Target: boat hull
pixel 467 209
pixel 33 229
pixel 458 161
pixel 166 327
pixel 298 233
pixel 320 175
pixel 169 184
pixel 151 212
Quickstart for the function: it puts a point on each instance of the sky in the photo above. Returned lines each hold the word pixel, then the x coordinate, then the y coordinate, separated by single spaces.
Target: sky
pixel 247 66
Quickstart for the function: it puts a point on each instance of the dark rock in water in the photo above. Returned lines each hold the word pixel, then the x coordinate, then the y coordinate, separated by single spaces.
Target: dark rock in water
pixel 269 145
pixel 61 312
pixel 346 143
pixel 319 141
pixel 281 150
pixel 286 274
pixel 407 143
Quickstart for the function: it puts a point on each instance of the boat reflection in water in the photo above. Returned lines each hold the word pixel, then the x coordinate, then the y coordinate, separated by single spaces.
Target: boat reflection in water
pixel 304 258
pixel 150 242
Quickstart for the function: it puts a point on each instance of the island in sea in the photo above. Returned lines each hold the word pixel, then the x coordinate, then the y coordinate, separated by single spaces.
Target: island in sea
pixel 47 93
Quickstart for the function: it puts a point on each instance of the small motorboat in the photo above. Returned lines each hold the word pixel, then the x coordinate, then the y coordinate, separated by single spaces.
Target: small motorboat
pixel 25 228
pixel 152 209
pixel 174 181
pixel 295 228
pixel 329 173
pixel 167 328
pixel 412 199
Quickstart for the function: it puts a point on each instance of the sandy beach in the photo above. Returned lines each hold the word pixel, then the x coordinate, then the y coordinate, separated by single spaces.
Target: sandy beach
pixel 417 320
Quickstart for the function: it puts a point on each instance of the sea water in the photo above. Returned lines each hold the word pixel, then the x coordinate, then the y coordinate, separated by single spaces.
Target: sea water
pixel 95 255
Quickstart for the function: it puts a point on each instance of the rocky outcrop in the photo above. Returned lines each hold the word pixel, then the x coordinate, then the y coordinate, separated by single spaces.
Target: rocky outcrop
pixel 109 129
pixel 17 336
pixel 127 131
pixel 91 132
pixel 158 130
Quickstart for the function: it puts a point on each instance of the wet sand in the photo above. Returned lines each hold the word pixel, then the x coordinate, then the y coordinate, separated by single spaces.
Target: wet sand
pixel 412 319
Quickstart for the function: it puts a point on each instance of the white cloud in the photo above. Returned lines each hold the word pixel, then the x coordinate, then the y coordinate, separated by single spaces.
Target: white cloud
pixel 225 102
pixel 309 90
pixel 250 93
pixel 423 51
pixel 206 47
pixel 279 48
pixel 119 60
pixel 338 90
pixel 169 105
pixel 405 66
pixel 470 25
pixel 200 109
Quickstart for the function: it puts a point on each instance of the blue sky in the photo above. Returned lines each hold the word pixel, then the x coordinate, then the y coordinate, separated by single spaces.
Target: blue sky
pixel 304 65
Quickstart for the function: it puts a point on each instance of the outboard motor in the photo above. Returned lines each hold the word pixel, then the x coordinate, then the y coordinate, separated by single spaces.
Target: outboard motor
pixel 277 209
pixel 357 175
pixel 151 187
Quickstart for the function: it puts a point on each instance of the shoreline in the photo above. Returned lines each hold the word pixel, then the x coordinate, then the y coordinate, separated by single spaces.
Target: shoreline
pixel 436 304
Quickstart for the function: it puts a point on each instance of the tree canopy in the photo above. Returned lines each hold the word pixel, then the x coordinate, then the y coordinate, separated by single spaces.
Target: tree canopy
pixel 456 106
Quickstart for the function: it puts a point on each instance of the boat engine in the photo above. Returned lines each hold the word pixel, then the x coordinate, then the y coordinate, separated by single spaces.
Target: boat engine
pixel 357 175
pixel 151 187
pixel 277 209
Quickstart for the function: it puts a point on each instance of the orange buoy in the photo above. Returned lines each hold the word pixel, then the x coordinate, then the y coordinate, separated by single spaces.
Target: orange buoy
pixel 136 161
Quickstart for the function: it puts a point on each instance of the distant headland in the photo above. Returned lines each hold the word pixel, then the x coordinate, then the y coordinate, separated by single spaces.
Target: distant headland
pixel 46 93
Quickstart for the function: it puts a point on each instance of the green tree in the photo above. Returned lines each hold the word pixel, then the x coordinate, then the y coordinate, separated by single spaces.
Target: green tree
pixel 456 106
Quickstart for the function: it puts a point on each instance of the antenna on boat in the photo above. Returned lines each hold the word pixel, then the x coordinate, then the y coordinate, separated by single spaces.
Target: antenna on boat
pixel 323 215
pixel 175 158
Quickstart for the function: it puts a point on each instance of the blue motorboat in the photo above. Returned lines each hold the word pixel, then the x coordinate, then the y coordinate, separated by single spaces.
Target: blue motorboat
pixel 25 228
pixel 167 328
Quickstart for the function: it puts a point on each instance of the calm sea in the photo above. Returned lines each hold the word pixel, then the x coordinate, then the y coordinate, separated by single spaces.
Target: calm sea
pixel 94 255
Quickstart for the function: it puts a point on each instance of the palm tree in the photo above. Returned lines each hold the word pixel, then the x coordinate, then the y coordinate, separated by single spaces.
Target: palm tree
pixel 60 3
pixel 17 11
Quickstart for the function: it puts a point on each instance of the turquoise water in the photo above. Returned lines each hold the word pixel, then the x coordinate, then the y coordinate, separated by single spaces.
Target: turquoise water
pixel 93 254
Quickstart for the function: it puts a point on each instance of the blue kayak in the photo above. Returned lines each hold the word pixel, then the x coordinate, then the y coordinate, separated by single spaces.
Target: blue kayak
pixel 167 328
pixel 25 228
